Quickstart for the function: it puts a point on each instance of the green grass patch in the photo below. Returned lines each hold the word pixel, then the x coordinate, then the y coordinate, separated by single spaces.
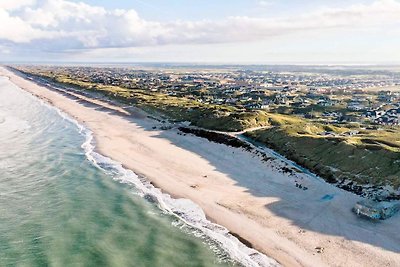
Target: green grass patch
pixel 371 157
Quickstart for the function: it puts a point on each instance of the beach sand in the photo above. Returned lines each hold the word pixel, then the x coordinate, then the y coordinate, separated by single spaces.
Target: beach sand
pixel 254 199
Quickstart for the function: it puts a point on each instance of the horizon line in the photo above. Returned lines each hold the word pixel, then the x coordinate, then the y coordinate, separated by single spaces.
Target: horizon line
pixel 193 63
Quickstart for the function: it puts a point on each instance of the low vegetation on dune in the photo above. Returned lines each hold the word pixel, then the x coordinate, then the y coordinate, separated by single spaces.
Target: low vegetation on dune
pixel 337 153
pixel 213 117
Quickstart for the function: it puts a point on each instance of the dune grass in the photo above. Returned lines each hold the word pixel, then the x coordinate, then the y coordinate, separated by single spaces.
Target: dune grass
pixel 214 117
pixel 369 157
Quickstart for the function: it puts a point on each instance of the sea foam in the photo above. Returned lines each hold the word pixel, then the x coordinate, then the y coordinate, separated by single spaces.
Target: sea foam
pixel 187 213
pixel 185 210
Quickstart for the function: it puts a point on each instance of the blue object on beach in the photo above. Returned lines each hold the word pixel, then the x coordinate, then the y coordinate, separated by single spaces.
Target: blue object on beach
pixel 327 197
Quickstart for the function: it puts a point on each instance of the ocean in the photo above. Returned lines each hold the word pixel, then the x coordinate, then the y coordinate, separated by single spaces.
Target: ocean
pixel 62 204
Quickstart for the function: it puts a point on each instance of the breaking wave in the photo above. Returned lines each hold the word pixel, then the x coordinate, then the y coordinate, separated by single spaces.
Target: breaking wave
pixel 189 216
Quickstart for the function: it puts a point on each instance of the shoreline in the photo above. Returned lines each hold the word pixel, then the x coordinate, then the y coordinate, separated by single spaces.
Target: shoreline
pixel 229 244
pixel 186 211
pixel 178 164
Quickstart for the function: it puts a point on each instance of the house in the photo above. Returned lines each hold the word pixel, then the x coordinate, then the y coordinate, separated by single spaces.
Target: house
pixel 256 106
pixel 387 120
pixel 374 113
pixel 351 133
pixel 393 112
pixel 347 118
pixel 332 114
pixel 327 102
pixel 231 100
pixel 355 105
pixel 281 100
pixel 253 106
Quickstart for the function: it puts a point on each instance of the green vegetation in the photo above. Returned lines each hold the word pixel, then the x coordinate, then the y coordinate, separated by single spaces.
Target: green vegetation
pixel 368 157
pixel 215 117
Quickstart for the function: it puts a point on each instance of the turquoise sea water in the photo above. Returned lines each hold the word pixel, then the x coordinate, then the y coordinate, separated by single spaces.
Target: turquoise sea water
pixel 58 209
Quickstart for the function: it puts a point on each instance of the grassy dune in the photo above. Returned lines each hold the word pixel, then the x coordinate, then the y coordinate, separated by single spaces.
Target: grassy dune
pixel 369 157
pixel 215 117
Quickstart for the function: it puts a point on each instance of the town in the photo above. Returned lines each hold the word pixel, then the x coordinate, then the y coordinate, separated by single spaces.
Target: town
pixel 364 96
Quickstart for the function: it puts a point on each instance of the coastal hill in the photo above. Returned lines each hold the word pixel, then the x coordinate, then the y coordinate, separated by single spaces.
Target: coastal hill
pixel 358 157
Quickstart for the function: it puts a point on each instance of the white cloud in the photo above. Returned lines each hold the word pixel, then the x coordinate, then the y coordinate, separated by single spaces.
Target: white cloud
pixel 16 30
pixel 58 13
pixel 265 3
pixel 62 25
pixel 15 4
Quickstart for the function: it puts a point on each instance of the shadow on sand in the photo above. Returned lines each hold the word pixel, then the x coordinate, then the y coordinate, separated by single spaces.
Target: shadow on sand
pixel 310 210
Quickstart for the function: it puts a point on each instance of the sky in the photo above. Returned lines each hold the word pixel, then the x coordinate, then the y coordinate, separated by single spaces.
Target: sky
pixel 201 31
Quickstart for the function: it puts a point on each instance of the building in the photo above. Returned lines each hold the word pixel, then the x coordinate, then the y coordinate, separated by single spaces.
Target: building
pixel 376 210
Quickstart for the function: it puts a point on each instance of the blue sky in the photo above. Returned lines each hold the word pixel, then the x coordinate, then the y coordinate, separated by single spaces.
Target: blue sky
pixel 215 9
pixel 212 31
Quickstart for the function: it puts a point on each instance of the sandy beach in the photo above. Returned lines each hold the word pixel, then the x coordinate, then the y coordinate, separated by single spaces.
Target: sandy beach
pixel 236 189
